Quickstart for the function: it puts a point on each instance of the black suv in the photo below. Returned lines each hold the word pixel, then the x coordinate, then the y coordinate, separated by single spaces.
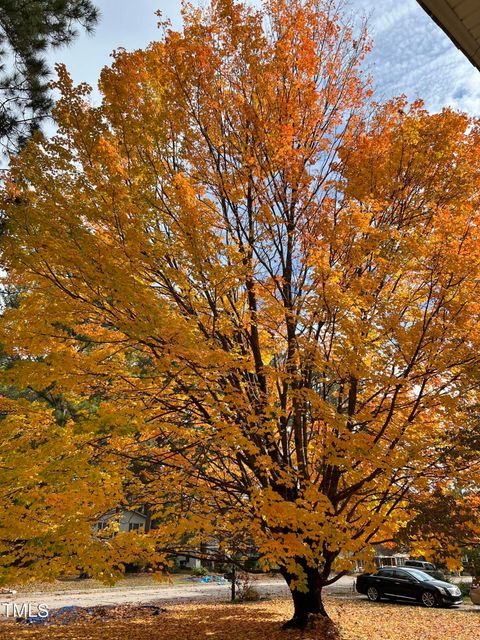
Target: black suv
pixel 408 584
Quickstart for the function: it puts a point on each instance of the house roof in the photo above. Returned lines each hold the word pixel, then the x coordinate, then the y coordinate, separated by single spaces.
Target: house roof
pixel 122 513
pixel 460 19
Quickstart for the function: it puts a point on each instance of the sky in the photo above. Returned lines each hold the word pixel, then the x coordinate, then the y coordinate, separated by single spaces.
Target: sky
pixel 411 53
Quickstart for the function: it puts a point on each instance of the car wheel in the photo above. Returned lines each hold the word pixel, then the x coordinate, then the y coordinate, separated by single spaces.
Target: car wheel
pixel 373 594
pixel 428 599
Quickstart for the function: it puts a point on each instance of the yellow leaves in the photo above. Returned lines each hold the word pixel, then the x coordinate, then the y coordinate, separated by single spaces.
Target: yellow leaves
pixel 217 320
pixel 358 620
pixel 453 564
pixel 52 495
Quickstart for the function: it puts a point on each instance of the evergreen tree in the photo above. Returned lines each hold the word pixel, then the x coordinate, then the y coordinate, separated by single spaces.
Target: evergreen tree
pixel 28 28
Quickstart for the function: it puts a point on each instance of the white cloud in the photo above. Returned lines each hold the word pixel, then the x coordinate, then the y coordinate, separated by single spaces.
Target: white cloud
pixel 411 53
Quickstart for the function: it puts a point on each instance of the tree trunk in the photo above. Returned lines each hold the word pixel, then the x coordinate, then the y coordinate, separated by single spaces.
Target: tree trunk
pixel 309 611
pixel 234 583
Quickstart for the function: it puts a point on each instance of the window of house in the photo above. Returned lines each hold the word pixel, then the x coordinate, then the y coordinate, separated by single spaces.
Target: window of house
pixel 134 526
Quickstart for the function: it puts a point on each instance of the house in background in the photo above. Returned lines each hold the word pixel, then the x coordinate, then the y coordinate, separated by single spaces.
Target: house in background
pixel 127 521
pixel 187 562
pixel 385 557
pixel 393 560
pixel 207 553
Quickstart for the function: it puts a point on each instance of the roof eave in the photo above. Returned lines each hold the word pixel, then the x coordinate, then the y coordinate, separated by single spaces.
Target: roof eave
pixel 451 24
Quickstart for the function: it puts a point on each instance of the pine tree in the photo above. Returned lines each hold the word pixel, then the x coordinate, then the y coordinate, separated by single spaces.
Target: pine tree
pixel 28 28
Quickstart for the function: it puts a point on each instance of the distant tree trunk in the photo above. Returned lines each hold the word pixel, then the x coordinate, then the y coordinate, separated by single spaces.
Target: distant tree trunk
pixel 234 582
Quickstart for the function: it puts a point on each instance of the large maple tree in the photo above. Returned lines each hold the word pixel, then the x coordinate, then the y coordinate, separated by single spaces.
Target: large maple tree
pixel 249 298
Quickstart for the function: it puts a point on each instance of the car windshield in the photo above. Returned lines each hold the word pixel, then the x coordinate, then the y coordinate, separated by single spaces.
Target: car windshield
pixel 419 575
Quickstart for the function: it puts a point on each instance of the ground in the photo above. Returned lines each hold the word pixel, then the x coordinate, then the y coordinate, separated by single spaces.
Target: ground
pixel 139 589
pixel 358 619
pixel 144 589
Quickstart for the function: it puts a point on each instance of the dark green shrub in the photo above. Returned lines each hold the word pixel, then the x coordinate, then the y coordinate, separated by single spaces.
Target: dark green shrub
pixel 464 587
pixel 134 567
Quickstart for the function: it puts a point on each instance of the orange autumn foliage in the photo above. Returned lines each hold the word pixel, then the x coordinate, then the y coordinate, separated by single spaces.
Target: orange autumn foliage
pixel 254 294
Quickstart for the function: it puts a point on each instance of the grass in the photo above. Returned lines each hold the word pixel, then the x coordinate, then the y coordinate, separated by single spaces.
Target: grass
pixel 128 582
pixel 358 620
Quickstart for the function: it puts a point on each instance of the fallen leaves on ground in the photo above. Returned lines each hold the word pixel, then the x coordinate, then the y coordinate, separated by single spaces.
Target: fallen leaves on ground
pixel 89 584
pixel 359 620
pixel 90 615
